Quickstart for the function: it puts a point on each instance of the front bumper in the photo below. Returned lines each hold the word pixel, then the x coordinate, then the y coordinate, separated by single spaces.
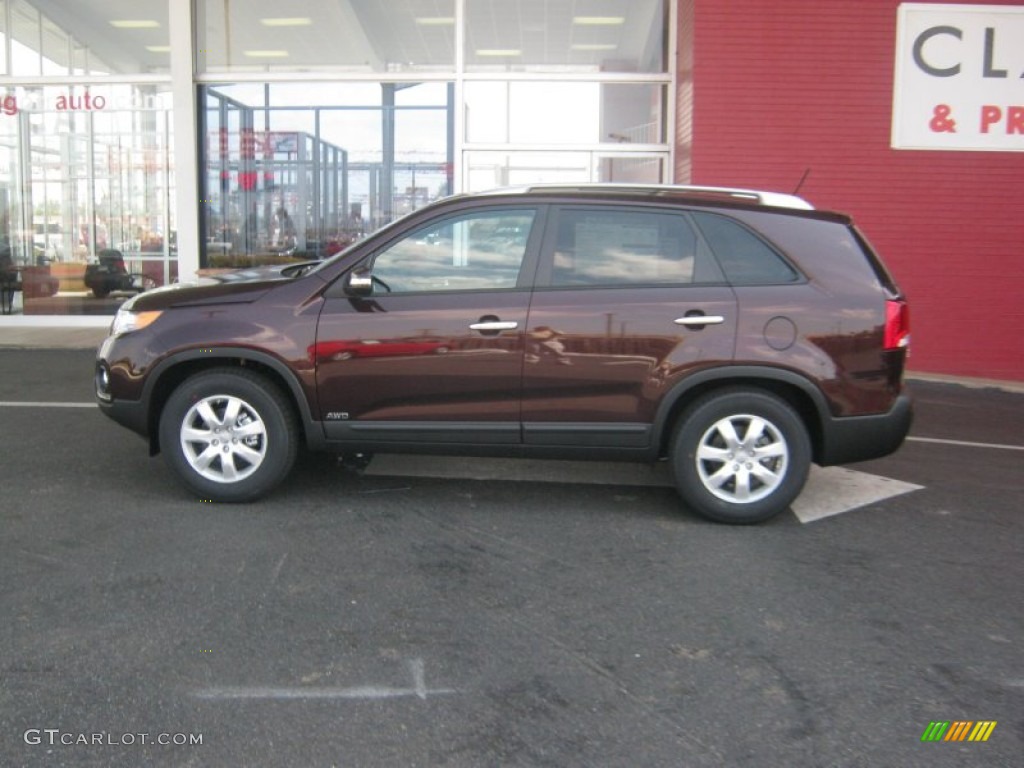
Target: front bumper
pixel 127 413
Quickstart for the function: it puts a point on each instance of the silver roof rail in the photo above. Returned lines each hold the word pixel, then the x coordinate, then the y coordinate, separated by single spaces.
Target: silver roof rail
pixel 778 199
pixel 758 197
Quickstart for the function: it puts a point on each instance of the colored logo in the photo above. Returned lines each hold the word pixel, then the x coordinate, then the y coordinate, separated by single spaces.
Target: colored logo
pixel 958 730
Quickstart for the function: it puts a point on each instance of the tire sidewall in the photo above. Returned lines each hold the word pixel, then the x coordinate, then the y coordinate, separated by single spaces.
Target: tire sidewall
pixel 264 397
pixel 717 406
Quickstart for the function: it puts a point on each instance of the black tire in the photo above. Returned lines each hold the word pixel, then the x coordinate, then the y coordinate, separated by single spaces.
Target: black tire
pixel 726 479
pixel 222 405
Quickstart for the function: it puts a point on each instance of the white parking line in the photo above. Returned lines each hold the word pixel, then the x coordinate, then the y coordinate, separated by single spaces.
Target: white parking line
pixel 418 690
pixel 966 443
pixel 835 490
pixel 829 491
pixel 522 470
pixel 366 692
pixel 10 404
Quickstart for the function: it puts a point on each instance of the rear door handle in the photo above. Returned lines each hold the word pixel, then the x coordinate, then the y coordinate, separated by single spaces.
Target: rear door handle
pixel 697 320
pixel 495 325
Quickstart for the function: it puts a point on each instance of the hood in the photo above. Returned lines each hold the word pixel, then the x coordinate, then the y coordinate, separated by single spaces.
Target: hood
pixel 237 286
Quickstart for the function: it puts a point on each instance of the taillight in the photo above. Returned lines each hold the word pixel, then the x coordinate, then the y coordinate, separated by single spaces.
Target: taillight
pixel 897 324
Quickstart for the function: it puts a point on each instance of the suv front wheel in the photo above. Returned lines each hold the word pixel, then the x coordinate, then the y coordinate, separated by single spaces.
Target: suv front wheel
pixel 229 434
pixel 740 456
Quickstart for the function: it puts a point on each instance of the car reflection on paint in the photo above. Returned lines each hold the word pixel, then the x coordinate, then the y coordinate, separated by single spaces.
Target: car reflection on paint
pixel 347 350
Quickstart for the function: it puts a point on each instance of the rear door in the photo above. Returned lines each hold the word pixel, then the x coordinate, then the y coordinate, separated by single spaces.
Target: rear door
pixel 627 303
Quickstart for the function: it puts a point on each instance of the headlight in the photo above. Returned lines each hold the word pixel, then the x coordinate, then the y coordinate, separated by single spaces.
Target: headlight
pixel 126 321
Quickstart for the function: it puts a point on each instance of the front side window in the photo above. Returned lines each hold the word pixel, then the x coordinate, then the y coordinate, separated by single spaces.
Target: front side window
pixel 597 247
pixel 472 252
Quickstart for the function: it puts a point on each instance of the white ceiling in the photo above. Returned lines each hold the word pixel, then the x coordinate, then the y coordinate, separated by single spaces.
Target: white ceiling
pixel 374 35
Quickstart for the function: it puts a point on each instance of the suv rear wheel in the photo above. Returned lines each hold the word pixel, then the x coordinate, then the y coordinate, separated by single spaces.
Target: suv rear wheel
pixel 230 435
pixel 740 456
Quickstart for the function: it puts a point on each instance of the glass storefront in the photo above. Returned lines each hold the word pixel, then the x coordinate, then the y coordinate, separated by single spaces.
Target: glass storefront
pixel 293 172
pixel 86 179
pixel 315 124
pixel 85 195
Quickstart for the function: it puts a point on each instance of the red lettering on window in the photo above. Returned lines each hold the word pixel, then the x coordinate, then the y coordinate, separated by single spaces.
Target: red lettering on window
pixel 248 144
pixel 247 180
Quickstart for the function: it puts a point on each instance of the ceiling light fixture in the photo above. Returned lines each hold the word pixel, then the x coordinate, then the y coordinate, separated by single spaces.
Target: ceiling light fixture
pixel 134 24
pixel 266 54
pixel 499 52
pixel 296 21
pixel 158 48
pixel 435 21
pixel 599 21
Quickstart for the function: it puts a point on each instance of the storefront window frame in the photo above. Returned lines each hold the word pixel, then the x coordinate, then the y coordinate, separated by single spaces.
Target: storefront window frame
pixel 74 85
pixel 185 82
pixel 461 76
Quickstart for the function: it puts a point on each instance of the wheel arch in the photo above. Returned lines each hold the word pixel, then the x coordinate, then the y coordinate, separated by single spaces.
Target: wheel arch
pixel 797 391
pixel 172 371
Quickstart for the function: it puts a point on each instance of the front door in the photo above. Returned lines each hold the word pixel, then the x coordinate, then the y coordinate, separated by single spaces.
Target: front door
pixel 434 354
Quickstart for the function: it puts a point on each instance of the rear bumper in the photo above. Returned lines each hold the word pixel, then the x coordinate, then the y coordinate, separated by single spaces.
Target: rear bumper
pixel 859 438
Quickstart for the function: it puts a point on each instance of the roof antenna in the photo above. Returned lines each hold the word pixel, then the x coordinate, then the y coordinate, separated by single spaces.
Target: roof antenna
pixel 802 180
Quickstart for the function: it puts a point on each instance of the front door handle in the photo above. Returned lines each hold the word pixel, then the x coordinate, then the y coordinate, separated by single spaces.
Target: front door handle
pixel 495 325
pixel 697 321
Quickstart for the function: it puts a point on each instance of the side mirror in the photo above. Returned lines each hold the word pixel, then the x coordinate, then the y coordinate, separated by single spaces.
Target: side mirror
pixel 359 282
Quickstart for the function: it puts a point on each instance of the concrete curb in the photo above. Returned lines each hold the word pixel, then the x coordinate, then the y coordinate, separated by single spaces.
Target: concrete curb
pixel 1016 387
pixel 13 337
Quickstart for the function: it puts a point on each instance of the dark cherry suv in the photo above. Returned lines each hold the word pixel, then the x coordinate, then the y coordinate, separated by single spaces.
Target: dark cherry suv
pixel 740 335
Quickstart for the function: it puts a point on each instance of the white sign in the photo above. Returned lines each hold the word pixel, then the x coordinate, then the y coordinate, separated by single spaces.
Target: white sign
pixel 959 77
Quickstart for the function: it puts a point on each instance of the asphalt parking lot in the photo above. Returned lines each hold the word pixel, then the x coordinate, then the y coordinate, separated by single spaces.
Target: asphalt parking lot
pixel 420 614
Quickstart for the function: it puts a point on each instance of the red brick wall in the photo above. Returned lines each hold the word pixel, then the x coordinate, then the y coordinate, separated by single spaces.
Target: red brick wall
pixel 780 87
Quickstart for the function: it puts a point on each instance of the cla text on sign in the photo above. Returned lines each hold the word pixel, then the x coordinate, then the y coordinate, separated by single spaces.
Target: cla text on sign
pixel 959 77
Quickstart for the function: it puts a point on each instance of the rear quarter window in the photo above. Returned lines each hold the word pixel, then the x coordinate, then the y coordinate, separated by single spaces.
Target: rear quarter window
pixel 827 252
pixel 745 258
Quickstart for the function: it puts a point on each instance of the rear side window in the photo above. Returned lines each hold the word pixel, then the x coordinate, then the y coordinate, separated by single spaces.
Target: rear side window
pixel 596 247
pixel 745 258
